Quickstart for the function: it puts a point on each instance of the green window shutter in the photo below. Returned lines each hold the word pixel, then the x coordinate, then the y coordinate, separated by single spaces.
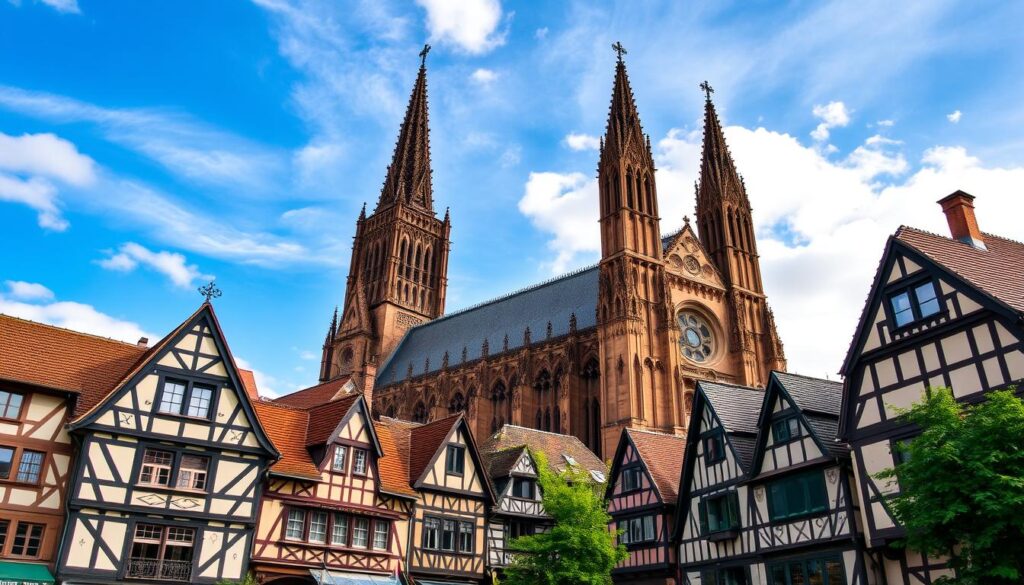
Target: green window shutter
pixel 734 510
pixel 819 494
pixel 777 500
pixel 702 508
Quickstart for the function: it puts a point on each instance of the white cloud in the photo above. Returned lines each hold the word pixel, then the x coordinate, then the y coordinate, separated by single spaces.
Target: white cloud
pixel 821 223
pixel 75 316
pixel 37 193
pixel 832 115
pixel 955 116
pixel 469 25
pixel 541 33
pixel 63 6
pixel 483 76
pixel 885 123
pixel 170 264
pixel 28 291
pixel 582 141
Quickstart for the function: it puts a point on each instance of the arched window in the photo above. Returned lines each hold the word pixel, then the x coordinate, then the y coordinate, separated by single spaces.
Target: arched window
pixel 630 202
pixel 457 403
pixel 427 266
pixel 547 419
pixel 390 411
pixel 401 258
pixel 649 195
pixel 595 427
pixel 498 392
pixel 539 420
pixel 543 383
pixel 419 413
pixel 346 357
pixel 558 421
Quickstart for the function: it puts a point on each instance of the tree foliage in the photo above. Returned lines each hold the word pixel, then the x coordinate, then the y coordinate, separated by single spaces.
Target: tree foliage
pixel 579 549
pixel 962 486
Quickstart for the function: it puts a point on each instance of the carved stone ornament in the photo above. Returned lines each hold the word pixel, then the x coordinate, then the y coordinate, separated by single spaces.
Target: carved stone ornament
pixel 691 264
pixel 759 493
pixel 832 475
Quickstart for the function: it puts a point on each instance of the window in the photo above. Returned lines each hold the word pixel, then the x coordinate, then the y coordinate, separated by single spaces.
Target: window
pixel 914 303
pixel 719 513
pixel 631 479
pixel 714 448
pixel 30 467
pixel 339 532
pixel 359 461
pixel 448 535
pixel 186 398
pixel 10 404
pixel 901 450
pixel 455 460
pixel 156 467
pixel 636 530
pixel 785 429
pixel 6 462
pixel 296 527
pixel 465 537
pixel 318 527
pixel 820 571
pixel 518 529
pixel 431 526
pixel 797 495
pixel 522 487
pixel 27 539
pixel 199 401
pixel 648 522
pixel 727 576
pixel 338 464
pixel 192 472
pixel 5 525
pixel 380 535
pixel 361 532
pixel 161 552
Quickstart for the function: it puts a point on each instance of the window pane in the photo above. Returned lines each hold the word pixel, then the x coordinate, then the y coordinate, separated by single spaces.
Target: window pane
pixel 27 539
pixel 465 537
pixel 361 532
pixel 648 527
pixel 778 575
pixel 10 404
pixel 834 572
pixel 6 460
pixel 780 431
pixel 296 524
pixel 380 534
pixel 456 459
pixel 339 534
pixel 173 394
pixel 430 529
pixel 199 401
pixel 5 526
pixel 796 573
pixel 815 575
pixel 339 459
pixel 927 304
pixel 359 461
pixel 318 527
pixel 192 472
pixel 901 311
pixel 30 467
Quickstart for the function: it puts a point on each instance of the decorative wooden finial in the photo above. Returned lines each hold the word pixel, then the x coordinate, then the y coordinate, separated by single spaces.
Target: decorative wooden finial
pixel 423 55
pixel 707 89
pixel 210 291
pixel 619 49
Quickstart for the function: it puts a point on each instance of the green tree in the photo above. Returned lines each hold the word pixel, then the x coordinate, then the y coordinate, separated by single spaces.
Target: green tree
pixel 962 485
pixel 249 579
pixel 579 549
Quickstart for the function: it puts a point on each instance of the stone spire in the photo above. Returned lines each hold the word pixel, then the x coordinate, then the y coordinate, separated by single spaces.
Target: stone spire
pixel 623 130
pixel 409 177
pixel 719 180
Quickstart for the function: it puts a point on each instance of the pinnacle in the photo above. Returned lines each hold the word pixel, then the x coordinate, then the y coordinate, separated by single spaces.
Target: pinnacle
pixel 718 176
pixel 408 177
pixel 623 119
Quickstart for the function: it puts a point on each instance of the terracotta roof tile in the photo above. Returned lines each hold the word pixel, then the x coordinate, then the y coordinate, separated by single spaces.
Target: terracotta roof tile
pixel 314 395
pixel 996 271
pixel 424 441
pixel 286 428
pixel 393 467
pixel 324 419
pixel 62 359
pixel 663 456
pixel 249 382
pixel 553 445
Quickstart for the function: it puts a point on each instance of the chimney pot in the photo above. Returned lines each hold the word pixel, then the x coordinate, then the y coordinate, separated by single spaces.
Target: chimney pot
pixel 143 342
pixel 963 226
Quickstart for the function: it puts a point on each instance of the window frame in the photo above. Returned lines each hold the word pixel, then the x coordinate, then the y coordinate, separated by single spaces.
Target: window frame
pixel 343 449
pixel 186 397
pixel 363 457
pixel 30 528
pixel 730 501
pixel 433 530
pixel 790 435
pixel 175 469
pixel 805 562
pixel 716 435
pixel 639 524
pixel 459 532
pixel 17 458
pixel 636 472
pixel 715 576
pixel 4 407
pixel 818 476
pixel 461 459
pixel 910 288
pixel 530 482
pixel 164 541
pixel 387 535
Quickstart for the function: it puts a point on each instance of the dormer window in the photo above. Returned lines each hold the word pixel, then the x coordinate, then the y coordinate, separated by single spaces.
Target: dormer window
pixel 714 448
pixel 569 459
pixel 523 487
pixel 359 461
pixel 914 303
pixel 338 463
pixel 455 460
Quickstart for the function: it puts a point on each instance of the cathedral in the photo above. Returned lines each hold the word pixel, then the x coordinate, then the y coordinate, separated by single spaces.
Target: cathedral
pixel 617 345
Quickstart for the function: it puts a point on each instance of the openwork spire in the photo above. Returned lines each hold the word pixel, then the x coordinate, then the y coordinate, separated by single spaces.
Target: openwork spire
pixel 719 180
pixel 409 176
pixel 623 131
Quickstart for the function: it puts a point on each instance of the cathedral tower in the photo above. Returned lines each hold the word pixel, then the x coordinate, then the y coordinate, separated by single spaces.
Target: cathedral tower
pixel 727 235
pixel 398 271
pixel 631 271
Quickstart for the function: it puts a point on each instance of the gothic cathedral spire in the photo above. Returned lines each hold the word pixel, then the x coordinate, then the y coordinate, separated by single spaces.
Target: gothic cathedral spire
pixel 723 210
pixel 398 272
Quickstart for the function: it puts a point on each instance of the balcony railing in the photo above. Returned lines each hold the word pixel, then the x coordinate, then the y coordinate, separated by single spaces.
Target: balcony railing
pixel 143 568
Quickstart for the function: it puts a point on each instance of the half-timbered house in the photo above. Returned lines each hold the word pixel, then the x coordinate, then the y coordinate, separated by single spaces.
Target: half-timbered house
pixel 942 312
pixel 46 373
pixel 643 490
pixel 716 543
pixel 171 457
pixel 518 510
pixel 799 504
pixel 336 506
pixel 446 538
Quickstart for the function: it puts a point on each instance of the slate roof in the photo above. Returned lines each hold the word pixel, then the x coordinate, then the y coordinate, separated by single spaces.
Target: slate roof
pixel 663 456
pixel 552 445
pixel 738 409
pixel 500 463
pixel 996 271
pixel 820 401
pixel 42 355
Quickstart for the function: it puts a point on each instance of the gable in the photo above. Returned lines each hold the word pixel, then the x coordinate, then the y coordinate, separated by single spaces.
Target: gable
pixel 470 481
pixel 803 445
pixel 684 256
pixel 629 458
pixel 525 465
pixel 187 389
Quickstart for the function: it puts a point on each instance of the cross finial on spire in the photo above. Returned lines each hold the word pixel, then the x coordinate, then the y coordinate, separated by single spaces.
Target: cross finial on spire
pixel 707 89
pixel 619 49
pixel 210 291
pixel 423 55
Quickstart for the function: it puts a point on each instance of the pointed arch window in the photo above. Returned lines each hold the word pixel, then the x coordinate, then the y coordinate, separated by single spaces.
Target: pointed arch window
pixel 419 413
pixel 457 403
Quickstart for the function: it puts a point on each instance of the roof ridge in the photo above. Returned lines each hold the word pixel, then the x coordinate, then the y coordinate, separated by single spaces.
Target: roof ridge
pixel 806 377
pixel 659 433
pixel 540 431
pixel 1003 238
pixel 731 385
pixel 74 331
pixel 507 296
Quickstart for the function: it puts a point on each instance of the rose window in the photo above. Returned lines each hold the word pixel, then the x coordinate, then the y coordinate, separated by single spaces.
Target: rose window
pixel 697 342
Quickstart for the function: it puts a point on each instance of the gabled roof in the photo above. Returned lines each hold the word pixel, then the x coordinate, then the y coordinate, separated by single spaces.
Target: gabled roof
pixel 249 383
pixel 996 271
pixel 393 467
pixel 315 395
pixel 662 456
pixel 812 394
pixel 286 427
pixel 65 360
pixel 324 418
pixel 738 409
pixel 501 463
pixel 553 445
pixel 817 401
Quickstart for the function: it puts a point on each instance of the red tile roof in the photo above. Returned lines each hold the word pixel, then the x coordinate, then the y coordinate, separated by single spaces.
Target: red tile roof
pixel 323 419
pixel 553 445
pixel 425 440
pixel 314 395
pixel 61 359
pixel 996 271
pixel 248 380
pixel 663 456
pixel 393 467
pixel 286 428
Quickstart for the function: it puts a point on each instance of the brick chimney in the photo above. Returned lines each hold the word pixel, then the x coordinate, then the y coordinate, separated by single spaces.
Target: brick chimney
pixel 959 210
pixel 143 342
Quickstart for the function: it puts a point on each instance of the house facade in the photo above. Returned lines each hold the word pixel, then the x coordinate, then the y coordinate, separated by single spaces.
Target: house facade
pixel 167 481
pixel 943 312
pixel 642 493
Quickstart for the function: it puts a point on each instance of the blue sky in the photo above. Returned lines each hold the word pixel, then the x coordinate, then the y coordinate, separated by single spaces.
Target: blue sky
pixel 146 147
